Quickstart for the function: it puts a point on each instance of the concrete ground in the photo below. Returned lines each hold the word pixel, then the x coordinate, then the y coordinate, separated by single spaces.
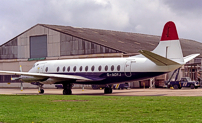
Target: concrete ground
pixel 130 92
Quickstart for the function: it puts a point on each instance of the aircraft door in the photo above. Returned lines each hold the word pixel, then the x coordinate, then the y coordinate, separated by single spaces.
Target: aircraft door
pixel 127 69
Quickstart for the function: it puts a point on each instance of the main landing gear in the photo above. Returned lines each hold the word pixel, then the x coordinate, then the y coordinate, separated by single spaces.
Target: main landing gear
pixel 108 89
pixel 67 88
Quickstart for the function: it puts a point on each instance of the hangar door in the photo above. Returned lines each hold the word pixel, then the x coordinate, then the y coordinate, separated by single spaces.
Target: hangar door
pixel 38 46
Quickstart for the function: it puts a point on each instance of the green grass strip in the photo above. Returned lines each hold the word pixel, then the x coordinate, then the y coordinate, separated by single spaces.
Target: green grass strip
pixel 109 109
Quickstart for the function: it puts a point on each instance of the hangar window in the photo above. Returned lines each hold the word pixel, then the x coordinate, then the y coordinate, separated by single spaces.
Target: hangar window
pixel 112 68
pixel 58 68
pixel 63 69
pixel 46 69
pixel 100 68
pixel 74 69
pixel 86 68
pixel 118 67
pixel 68 69
pixel 106 68
pixel 92 68
pixel 80 68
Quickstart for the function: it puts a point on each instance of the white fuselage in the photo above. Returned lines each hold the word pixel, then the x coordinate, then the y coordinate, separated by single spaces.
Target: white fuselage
pixel 110 70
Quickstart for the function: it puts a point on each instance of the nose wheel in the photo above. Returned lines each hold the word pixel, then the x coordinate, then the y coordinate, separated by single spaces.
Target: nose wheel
pixel 41 91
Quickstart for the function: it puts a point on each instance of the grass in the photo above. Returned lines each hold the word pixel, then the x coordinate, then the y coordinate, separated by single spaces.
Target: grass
pixel 110 109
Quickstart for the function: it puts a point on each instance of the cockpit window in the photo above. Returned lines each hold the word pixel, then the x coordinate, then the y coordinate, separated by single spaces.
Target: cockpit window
pixel 33 65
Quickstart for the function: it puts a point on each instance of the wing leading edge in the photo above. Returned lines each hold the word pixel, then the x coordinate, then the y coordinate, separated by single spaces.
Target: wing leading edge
pixel 46 75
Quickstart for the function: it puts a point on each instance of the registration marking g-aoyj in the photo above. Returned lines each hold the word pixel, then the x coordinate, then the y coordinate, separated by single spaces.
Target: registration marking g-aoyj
pixel 113 74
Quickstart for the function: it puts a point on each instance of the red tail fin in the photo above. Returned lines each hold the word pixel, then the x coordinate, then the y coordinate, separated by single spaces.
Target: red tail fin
pixel 169 32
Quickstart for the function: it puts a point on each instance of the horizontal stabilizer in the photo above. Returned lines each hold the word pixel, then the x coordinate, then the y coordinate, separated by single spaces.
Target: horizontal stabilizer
pixel 157 59
pixel 190 57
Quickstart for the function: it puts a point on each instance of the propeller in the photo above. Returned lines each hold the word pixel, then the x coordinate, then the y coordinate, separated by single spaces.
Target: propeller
pixel 17 78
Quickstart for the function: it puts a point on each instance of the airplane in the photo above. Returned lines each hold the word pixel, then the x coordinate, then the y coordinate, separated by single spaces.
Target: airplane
pixel 166 57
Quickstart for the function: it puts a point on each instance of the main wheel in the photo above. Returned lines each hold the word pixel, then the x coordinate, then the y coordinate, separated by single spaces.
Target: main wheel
pixel 67 92
pixel 192 86
pixel 110 90
pixel 175 87
pixel 106 90
pixel 41 91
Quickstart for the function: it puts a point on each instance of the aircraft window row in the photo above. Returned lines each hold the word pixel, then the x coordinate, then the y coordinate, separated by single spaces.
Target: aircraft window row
pixel 86 68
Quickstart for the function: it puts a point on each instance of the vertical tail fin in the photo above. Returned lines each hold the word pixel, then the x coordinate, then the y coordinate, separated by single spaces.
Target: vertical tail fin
pixel 169 46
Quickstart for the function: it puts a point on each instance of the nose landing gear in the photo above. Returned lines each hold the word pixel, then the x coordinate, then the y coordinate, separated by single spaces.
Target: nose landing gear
pixel 41 90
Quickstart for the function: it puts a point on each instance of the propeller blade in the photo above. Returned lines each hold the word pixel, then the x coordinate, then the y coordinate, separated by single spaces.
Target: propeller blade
pixel 21 87
pixel 20 68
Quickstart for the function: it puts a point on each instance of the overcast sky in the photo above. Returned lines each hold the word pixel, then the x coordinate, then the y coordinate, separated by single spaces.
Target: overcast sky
pixel 138 16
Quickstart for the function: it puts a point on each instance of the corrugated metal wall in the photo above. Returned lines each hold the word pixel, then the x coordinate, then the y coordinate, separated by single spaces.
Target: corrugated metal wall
pixel 9 50
pixel 70 45
pixel 53 43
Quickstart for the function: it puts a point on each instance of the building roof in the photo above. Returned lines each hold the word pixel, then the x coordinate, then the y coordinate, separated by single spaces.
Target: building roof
pixel 125 42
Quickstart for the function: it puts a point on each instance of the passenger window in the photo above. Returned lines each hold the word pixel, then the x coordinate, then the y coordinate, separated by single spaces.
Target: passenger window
pixel 80 68
pixel 86 68
pixel 63 69
pixel 100 68
pixel 68 69
pixel 92 68
pixel 112 68
pixel 46 69
pixel 106 68
pixel 118 67
pixel 58 68
pixel 74 69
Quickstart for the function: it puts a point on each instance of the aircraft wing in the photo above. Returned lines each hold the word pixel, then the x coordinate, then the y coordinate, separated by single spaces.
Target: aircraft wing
pixel 157 59
pixel 46 75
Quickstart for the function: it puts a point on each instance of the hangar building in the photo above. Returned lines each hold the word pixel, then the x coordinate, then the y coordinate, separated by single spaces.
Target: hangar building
pixel 49 42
